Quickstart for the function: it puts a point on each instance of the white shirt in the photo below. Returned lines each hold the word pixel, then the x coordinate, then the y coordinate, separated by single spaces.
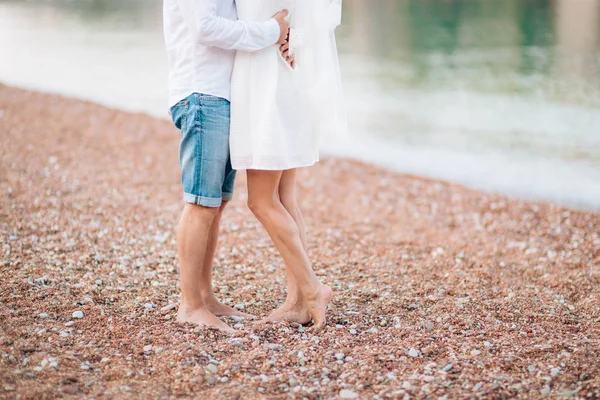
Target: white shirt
pixel 201 37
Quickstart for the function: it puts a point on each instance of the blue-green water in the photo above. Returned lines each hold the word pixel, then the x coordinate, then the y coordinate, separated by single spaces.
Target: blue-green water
pixel 502 95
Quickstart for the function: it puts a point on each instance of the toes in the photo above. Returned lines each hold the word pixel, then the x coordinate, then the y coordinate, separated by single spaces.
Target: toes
pixel 318 325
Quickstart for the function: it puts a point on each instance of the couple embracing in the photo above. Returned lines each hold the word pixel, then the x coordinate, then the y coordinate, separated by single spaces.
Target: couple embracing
pixel 253 85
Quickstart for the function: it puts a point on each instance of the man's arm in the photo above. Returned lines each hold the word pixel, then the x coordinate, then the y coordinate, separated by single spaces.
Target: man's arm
pixel 209 29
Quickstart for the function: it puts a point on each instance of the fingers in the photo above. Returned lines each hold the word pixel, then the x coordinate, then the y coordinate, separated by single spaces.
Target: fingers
pixel 281 14
pixel 284 47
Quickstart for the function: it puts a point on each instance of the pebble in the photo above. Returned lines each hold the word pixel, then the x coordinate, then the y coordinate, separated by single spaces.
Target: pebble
pixel 447 368
pixel 475 352
pixel 353 332
pixel 413 352
pixel 158 350
pixel 348 394
pixel 545 390
pixel 78 314
pixel 406 385
pixel 531 368
pixel 373 330
pixel 212 368
pixel 239 306
pixel 70 323
pixel 43 315
pixel 339 356
pixel 555 371
pixel 169 307
pixel 149 306
pixel 148 348
pixel 238 326
pixel 236 318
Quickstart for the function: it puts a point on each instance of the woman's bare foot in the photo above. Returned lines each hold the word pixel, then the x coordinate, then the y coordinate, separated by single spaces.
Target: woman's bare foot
pixel 317 307
pixel 202 317
pixel 289 312
pixel 221 310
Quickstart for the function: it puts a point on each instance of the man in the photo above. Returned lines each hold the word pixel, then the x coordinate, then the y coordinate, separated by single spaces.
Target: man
pixel 201 38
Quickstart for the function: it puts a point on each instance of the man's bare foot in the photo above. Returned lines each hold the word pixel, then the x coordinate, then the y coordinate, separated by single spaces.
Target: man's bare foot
pixel 202 317
pixel 317 307
pixel 290 313
pixel 221 310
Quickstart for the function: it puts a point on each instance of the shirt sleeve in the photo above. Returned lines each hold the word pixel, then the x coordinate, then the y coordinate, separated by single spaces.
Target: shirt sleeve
pixel 209 29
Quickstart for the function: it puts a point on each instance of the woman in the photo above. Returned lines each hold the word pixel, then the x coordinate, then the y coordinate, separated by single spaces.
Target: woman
pixel 278 111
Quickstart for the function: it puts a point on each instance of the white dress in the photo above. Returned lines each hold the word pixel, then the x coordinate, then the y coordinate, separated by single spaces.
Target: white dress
pixel 271 128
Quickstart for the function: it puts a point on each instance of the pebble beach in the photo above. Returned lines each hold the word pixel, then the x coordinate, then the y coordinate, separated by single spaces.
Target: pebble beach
pixel 440 291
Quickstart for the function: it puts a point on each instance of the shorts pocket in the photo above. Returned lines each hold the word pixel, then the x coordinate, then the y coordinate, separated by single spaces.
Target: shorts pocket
pixel 179 114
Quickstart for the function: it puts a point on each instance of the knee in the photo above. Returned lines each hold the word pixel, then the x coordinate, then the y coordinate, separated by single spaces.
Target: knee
pixel 206 214
pixel 260 208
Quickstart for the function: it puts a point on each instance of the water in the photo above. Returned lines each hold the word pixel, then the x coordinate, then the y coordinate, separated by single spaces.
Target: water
pixel 500 95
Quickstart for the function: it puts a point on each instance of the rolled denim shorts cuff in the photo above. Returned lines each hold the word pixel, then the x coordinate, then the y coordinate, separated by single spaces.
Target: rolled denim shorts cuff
pixel 227 196
pixel 202 201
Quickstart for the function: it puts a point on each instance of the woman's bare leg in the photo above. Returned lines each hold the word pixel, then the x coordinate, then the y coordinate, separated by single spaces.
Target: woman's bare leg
pixel 264 201
pixel 293 308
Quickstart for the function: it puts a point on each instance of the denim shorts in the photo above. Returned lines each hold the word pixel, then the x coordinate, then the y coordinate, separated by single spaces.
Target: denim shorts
pixel 206 172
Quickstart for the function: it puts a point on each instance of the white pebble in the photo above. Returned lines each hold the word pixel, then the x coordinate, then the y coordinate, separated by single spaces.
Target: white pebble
pixel 43 315
pixel 169 307
pixel 545 390
pixel 353 331
pixel 149 306
pixel 239 306
pixel 148 347
pixel 78 314
pixel 212 368
pixel 339 356
pixel 413 352
pixel 238 326
pixel 70 323
pixel 555 371
pixel 373 330
pixel 348 394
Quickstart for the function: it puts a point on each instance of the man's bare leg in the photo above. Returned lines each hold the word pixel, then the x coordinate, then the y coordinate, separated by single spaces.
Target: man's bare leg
pixel 206 289
pixel 192 241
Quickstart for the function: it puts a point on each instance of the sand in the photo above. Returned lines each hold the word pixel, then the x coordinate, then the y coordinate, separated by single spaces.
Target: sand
pixel 440 291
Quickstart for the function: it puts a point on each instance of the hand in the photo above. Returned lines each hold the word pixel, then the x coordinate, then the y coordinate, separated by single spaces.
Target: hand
pixel 284 25
pixel 285 52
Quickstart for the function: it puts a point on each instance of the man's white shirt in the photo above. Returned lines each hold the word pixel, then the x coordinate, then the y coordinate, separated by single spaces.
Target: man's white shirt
pixel 201 37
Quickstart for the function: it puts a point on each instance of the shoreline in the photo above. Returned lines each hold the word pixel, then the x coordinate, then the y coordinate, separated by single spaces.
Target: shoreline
pixel 440 290
pixel 571 184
